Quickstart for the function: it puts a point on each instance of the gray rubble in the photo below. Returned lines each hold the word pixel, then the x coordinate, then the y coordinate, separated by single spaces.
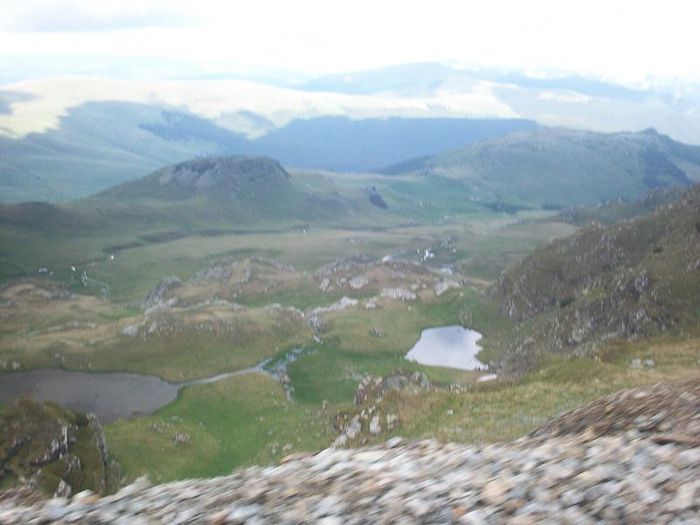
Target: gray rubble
pixel 568 479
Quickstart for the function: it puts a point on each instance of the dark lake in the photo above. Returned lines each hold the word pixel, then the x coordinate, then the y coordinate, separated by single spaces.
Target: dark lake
pixel 109 395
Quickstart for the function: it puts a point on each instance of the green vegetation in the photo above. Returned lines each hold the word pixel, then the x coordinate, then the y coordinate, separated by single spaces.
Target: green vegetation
pixel 239 421
pixel 267 262
pixel 621 210
pixel 505 410
pixel 553 168
pixel 46 445
pixel 633 279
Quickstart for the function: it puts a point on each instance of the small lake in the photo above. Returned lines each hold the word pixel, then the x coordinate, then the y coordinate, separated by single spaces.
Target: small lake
pixel 449 346
pixel 109 395
pixel 118 395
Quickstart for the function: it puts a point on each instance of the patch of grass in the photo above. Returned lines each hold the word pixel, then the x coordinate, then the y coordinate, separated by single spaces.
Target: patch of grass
pixel 349 350
pixel 239 421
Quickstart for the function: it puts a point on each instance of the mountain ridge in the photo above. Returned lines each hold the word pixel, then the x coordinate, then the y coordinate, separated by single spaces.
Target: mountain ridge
pixel 213 175
pixel 100 144
pixel 560 167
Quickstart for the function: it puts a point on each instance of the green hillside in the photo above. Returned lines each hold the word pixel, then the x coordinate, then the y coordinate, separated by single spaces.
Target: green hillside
pixel 100 144
pixel 558 167
pixel 202 198
pixel 629 280
pixel 97 145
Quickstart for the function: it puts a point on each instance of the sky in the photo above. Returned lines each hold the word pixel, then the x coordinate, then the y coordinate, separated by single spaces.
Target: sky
pixel 630 42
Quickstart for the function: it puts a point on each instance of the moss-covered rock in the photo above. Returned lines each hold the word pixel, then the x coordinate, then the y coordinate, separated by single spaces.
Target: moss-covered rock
pixel 52 449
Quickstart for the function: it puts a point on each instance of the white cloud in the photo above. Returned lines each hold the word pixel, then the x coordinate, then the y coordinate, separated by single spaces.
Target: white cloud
pixel 625 40
pixel 89 15
pixel 44 102
pixel 572 97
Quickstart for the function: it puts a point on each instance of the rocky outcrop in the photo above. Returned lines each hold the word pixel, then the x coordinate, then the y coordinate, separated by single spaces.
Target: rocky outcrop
pixel 222 173
pixel 399 294
pixel 157 294
pixel 372 389
pixel 369 417
pixel 315 316
pixel 628 280
pixel 51 449
pixel 444 285
pixel 376 198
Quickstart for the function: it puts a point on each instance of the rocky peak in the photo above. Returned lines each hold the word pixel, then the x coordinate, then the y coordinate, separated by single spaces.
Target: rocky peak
pixel 223 173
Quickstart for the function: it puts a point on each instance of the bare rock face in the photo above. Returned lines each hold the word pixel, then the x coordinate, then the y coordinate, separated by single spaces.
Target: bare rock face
pixel 157 294
pixel 222 173
pixel 376 198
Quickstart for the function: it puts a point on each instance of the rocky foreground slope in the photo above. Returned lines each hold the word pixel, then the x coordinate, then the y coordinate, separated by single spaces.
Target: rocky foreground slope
pixel 644 468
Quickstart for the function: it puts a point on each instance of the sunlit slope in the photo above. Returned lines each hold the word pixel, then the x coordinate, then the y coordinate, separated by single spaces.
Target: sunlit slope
pixel 557 167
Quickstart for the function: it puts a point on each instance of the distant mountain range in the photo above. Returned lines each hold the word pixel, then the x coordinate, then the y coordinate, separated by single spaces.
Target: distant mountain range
pixel 100 144
pixel 62 138
pixel 556 167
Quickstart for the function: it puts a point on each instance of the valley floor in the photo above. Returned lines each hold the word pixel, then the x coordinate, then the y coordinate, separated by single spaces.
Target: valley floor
pixel 240 299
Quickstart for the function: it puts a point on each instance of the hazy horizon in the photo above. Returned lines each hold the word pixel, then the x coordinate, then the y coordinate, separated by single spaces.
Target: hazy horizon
pixel 633 44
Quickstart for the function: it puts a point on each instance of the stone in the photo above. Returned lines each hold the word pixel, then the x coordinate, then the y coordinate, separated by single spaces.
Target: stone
pixel 553 480
pixel 686 497
pixel 84 497
pixel 374 426
pixel 474 517
pixel 238 513
pixel 495 492
pixel 131 330
pixel 63 490
pixel 571 497
pixel 354 427
pixel 56 509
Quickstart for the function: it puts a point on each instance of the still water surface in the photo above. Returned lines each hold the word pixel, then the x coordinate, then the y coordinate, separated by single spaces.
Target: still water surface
pixel 449 346
pixel 109 395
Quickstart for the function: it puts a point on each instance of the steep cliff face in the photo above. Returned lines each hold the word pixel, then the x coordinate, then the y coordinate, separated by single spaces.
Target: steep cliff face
pixel 631 279
pixel 51 449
